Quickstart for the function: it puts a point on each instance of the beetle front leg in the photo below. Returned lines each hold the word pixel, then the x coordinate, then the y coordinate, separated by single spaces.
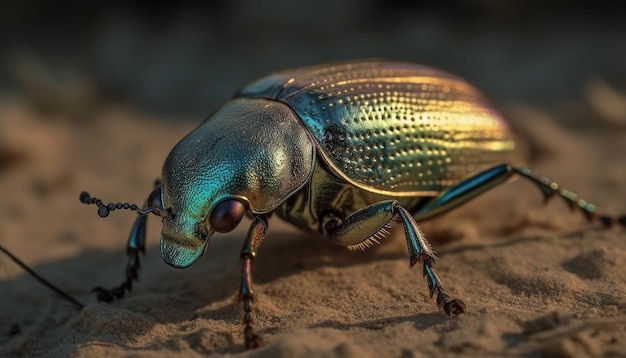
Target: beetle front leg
pixel 136 244
pixel 136 240
pixel 256 234
pixel 365 226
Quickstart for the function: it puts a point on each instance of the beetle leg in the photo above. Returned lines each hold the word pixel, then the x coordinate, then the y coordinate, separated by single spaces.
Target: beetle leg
pixel 136 244
pixel 256 234
pixel 464 191
pixel 550 188
pixel 481 182
pixel 356 230
pixel 370 221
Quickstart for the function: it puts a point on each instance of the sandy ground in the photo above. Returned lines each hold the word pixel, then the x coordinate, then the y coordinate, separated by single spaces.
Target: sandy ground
pixel 537 280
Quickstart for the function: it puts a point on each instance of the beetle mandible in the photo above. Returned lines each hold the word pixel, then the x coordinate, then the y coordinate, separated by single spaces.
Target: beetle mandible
pixel 343 150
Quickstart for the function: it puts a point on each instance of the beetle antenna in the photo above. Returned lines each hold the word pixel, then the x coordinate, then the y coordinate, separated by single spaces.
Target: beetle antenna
pixel 105 209
pixel 42 280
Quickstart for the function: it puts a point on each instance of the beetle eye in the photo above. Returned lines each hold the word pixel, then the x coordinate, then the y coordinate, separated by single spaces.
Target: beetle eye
pixel 154 201
pixel 226 215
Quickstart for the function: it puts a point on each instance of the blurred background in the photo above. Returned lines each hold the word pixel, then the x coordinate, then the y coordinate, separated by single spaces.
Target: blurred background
pixel 185 58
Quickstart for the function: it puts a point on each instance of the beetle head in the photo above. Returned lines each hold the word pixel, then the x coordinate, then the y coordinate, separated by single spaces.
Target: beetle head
pixel 250 155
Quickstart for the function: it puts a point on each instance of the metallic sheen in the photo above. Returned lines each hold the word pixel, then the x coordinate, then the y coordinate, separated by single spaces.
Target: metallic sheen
pixel 253 150
pixel 393 128
pixel 317 144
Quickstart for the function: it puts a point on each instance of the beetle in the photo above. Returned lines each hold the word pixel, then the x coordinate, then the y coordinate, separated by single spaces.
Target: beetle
pixel 342 150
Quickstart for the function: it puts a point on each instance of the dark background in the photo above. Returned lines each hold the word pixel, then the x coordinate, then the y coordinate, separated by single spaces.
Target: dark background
pixel 185 58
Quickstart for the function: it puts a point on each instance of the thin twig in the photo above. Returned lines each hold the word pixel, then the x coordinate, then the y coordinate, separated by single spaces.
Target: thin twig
pixel 41 279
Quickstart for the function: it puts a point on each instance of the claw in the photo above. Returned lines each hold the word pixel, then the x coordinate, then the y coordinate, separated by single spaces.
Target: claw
pixel 253 340
pixel 452 306
pixel 103 294
pixel 115 293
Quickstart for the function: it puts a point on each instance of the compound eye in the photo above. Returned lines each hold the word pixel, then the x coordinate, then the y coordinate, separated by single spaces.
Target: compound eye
pixel 226 216
pixel 154 200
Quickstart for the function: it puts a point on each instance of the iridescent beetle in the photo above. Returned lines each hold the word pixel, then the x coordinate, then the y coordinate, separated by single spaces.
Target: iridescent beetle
pixel 342 150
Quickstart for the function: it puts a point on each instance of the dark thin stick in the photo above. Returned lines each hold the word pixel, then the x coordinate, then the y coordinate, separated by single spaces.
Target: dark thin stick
pixel 41 279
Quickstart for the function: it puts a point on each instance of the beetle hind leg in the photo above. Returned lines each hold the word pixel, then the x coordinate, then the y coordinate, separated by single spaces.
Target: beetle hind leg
pixel 479 183
pixel 550 189
pixel 362 227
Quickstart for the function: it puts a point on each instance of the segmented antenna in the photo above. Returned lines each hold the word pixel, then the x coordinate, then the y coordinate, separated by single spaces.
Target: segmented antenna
pixel 105 209
pixel 42 280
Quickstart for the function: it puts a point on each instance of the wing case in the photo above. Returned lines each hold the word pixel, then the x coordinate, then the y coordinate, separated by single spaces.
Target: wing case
pixel 393 128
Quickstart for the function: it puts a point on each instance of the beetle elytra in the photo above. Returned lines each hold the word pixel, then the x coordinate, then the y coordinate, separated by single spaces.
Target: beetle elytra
pixel 341 150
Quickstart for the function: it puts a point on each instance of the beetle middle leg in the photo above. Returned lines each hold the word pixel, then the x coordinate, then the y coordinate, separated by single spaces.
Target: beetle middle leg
pixel 366 225
pixel 255 236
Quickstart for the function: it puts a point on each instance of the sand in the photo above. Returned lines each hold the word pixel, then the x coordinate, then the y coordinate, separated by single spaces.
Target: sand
pixel 537 280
